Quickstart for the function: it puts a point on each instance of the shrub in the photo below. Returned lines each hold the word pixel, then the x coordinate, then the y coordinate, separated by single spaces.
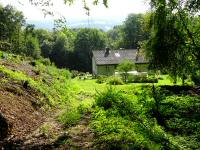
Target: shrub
pixel 88 75
pixel 74 73
pixel 112 99
pixel 33 63
pixel 142 79
pixel 5 46
pixel 70 117
pixel 115 81
pixel 160 78
pixel 84 108
pixel 131 78
pixel 119 123
pixel 196 78
pixel 82 75
pixel 45 61
pixel 124 67
pixel 101 79
pixel 1 54
pixel 46 130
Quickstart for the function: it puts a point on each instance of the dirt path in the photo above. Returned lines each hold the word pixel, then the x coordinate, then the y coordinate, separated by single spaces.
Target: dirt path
pixel 51 135
pixel 80 137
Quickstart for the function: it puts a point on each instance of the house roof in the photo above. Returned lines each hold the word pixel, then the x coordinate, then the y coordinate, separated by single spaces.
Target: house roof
pixel 117 56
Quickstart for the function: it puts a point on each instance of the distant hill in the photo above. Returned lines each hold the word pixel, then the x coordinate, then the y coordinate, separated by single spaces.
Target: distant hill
pixel 104 24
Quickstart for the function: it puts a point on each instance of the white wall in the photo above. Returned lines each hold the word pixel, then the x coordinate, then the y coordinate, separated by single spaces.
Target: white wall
pixel 94 67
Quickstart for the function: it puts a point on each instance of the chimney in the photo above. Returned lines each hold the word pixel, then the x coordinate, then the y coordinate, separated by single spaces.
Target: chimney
pixel 107 51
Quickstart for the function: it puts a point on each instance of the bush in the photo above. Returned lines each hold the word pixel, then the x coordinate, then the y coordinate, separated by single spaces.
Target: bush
pixel 88 75
pixel 5 46
pixel 1 54
pixel 74 73
pixel 196 78
pixel 119 123
pixel 70 118
pixel 45 61
pixel 101 79
pixel 131 78
pixel 82 75
pixel 124 67
pixel 115 100
pixel 142 79
pixel 33 63
pixel 115 81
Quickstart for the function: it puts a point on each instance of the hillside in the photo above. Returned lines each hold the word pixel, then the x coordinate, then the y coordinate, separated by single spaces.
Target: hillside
pixel 104 24
pixel 40 106
pixel 28 102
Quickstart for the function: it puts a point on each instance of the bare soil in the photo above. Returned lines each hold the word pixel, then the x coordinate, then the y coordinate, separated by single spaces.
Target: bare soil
pixel 26 123
pixel 20 112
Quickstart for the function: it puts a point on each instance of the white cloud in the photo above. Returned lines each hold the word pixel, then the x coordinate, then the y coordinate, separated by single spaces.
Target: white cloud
pixel 117 8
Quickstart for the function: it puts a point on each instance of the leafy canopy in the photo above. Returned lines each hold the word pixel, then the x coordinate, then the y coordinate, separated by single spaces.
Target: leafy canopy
pixel 125 66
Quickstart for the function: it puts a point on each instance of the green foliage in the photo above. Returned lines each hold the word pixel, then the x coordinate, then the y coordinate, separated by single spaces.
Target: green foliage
pixel 84 108
pixel 119 123
pixel 182 118
pixel 15 38
pixel 43 35
pixel 112 99
pixel 5 46
pixel 142 79
pixel 46 41
pixel 178 114
pixel 86 41
pixel 45 61
pixel 70 117
pixel 113 80
pixel 196 78
pixel 124 67
pixel 129 34
pixel 53 82
pixel 46 130
pixel 132 31
pixel 173 43
pixel 10 26
pixel 101 79
pixel 32 47
pixel 74 73
pixel 106 99
pixel 115 37
pixel 60 50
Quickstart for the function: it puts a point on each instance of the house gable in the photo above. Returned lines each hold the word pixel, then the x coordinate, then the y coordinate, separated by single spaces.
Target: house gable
pixel 114 57
pixel 105 61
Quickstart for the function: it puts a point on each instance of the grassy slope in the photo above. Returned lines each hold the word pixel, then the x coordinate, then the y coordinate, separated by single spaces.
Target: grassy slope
pixel 117 131
pixel 36 89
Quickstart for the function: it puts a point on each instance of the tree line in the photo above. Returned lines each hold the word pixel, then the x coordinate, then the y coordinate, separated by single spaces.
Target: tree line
pixel 67 48
pixel 168 34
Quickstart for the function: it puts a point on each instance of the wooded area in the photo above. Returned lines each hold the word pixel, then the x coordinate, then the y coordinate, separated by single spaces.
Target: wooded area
pixel 50 100
pixel 169 35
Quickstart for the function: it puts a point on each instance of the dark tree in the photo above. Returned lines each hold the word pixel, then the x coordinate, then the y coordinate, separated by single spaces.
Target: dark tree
pixel 86 41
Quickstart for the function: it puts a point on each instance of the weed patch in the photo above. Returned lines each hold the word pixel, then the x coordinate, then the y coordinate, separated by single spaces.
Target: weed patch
pixel 119 123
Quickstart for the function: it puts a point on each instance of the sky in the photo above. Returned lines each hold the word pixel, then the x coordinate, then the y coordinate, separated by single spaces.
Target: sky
pixel 117 9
